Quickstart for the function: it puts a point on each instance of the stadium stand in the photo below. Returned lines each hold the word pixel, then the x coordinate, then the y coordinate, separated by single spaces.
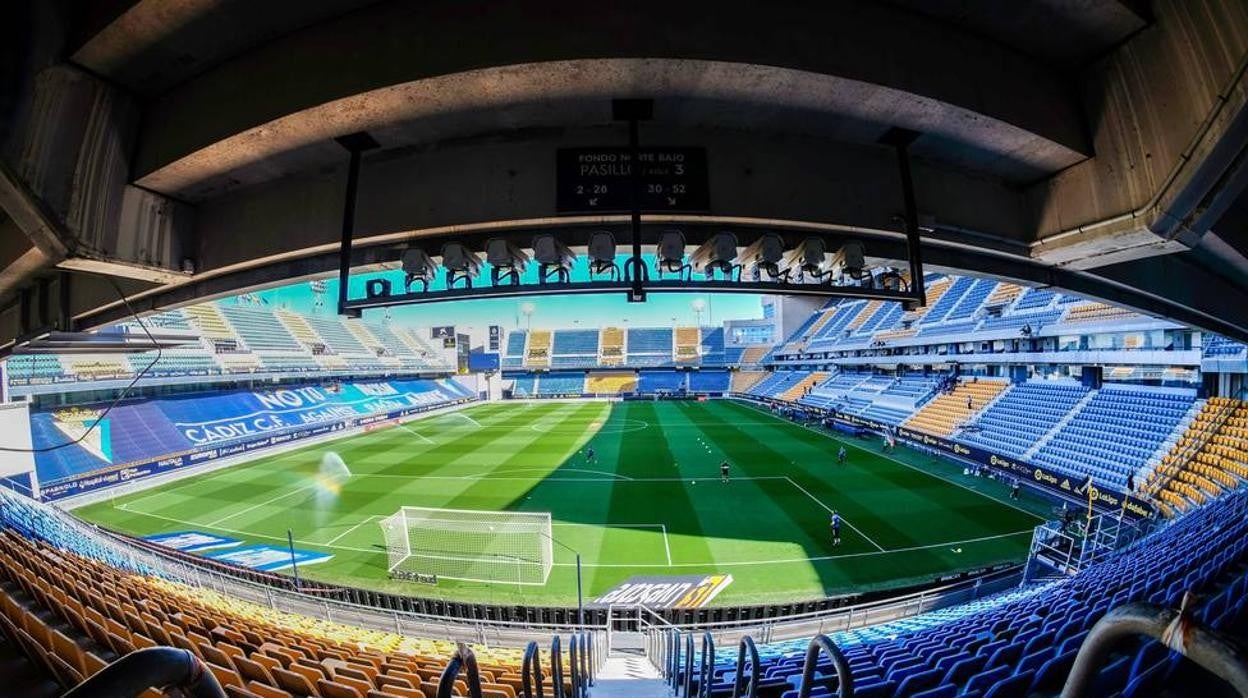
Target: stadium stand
pixel 174 363
pixel 146 431
pixel 1096 312
pixel 650 382
pixel 743 381
pixel 537 350
pixel 303 333
pixel 611 383
pixel 525 385
pixel 1023 415
pixel 706 381
pixel 337 337
pixel 1023 642
pixel 946 412
pixel 688 342
pixel 514 358
pixel 753 356
pixel 561 384
pixel 650 346
pixel 93 367
pixel 75 613
pixel 1209 459
pixel 207 318
pixel 1217 345
pixel 1115 432
pixel 257 329
pixel 611 348
pixel 574 349
pixel 712 346
pixel 796 390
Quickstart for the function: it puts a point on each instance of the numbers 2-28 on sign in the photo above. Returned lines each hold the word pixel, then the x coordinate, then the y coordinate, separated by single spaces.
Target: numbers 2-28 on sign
pixel 599 180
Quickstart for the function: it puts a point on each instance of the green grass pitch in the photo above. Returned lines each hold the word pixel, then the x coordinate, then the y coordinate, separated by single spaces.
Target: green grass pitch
pixel 651 504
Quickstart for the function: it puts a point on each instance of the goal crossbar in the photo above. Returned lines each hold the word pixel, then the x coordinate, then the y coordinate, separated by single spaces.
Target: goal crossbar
pixel 503 547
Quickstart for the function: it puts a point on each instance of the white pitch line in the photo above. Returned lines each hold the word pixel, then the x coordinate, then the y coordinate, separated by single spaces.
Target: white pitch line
pixel 415 433
pixel 899 462
pixel 266 502
pixel 340 536
pixel 708 563
pixel 829 510
pixel 667 546
pixel 461 414
pixel 617 476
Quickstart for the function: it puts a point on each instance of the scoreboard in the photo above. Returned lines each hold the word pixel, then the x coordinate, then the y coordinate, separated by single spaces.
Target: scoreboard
pixel 599 180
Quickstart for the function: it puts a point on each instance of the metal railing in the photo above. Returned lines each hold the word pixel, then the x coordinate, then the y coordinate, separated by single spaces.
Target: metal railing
pixel 1175 629
pixel 462 659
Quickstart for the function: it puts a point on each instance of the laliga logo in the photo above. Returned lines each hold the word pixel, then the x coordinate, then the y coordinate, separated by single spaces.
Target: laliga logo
pixel 993 460
pixel 959 448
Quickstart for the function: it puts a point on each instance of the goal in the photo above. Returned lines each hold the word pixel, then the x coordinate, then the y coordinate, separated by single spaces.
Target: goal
pixel 504 547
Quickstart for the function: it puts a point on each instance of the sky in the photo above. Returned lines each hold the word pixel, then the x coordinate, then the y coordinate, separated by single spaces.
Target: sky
pixel 588 310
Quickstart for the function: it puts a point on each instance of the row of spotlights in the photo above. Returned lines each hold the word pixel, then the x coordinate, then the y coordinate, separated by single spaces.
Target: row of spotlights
pixel 766 259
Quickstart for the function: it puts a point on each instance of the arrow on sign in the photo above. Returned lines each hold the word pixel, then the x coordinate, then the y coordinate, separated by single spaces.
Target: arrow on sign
pixel 671 201
pixel 593 201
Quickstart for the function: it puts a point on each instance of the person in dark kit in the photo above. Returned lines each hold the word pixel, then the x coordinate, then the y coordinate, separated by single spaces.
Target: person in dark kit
pixel 841 455
pixel 1014 488
pixel 969 403
pixel 723 471
pixel 835 523
pixel 590 455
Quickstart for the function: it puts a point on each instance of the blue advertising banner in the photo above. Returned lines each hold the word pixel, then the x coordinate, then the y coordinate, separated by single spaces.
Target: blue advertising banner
pixel 192 541
pixel 268 558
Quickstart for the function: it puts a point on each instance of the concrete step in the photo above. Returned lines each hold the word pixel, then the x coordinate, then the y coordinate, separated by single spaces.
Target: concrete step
pixel 629 675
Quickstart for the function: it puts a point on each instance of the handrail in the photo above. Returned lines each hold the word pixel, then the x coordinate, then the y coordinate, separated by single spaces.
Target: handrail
pixel 587 676
pixel 688 686
pixel 1175 629
pixel 706 666
pixel 556 667
pixel 574 667
pixel 531 671
pixel 462 659
pixel 673 658
pixel 142 669
pixel 844 678
pixel 746 649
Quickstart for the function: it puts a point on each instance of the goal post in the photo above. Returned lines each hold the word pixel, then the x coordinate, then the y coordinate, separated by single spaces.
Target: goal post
pixel 503 547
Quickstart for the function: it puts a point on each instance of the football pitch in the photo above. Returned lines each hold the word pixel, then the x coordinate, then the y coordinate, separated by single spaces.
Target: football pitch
pixel 650 504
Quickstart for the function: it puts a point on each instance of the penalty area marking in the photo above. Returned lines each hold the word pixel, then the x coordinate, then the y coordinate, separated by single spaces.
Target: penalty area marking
pixel 342 535
pixel 667 547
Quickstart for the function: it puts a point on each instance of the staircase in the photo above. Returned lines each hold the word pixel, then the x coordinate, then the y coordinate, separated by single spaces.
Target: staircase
pixel 628 674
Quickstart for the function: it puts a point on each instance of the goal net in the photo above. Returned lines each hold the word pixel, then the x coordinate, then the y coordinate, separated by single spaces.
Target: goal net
pixel 505 547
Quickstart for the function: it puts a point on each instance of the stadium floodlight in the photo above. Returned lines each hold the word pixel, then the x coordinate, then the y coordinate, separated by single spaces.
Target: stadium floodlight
pixel 810 259
pixel 504 547
pixel 418 266
pixel 717 254
pixel 553 257
pixel 671 254
pixel 602 254
pixel 461 264
pixel 851 259
pixel 763 257
pixel 507 260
